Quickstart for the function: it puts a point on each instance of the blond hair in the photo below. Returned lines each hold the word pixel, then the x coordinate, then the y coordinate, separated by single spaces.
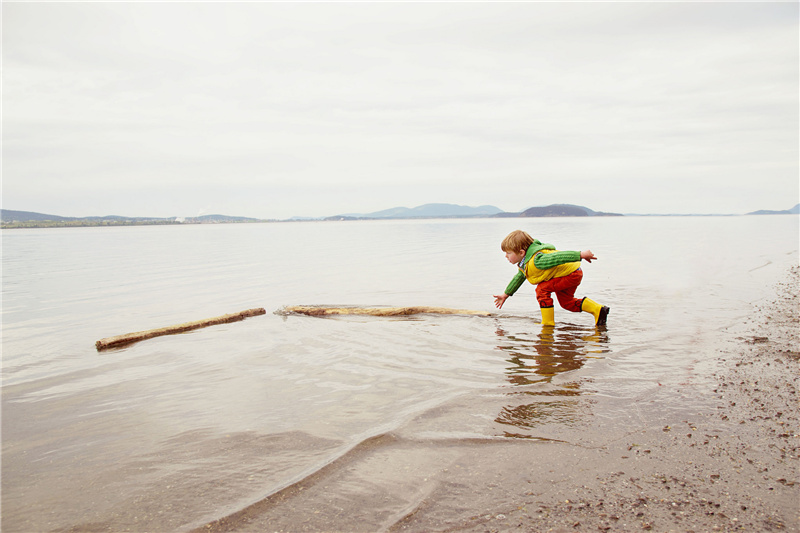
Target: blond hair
pixel 515 241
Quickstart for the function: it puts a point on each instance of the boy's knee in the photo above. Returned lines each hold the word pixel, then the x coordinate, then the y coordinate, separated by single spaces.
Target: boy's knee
pixel 571 304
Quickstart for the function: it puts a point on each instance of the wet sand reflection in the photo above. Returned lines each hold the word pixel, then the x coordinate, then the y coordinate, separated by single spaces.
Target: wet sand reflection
pixel 535 360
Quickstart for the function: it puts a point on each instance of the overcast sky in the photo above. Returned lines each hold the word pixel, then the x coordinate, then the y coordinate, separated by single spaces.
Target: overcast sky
pixel 274 110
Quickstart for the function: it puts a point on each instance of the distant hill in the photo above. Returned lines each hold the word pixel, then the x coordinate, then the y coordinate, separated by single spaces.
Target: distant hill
pixel 218 219
pixel 793 211
pixel 426 211
pixel 30 219
pixel 7 215
pixel 559 210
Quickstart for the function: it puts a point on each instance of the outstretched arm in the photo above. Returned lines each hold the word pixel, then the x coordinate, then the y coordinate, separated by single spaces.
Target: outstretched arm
pixel 545 261
pixel 515 284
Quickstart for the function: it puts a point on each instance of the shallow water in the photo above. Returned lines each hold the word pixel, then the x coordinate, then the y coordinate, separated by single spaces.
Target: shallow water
pixel 173 432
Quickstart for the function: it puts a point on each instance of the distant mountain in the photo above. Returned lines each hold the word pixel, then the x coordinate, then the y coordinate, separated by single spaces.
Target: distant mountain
pixel 793 211
pixel 7 215
pixel 426 211
pixel 559 210
pixel 29 219
pixel 218 219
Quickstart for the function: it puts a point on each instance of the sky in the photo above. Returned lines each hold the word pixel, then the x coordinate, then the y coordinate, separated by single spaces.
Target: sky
pixel 277 110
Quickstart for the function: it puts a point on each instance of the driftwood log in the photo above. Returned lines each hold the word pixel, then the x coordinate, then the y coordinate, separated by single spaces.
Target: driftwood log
pixel 312 310
pixel 128 338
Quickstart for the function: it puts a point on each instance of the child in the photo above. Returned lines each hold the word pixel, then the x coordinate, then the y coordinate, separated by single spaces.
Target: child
pixel 551 271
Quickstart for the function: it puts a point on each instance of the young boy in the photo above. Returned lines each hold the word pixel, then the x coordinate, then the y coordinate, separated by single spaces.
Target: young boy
pixel 551 271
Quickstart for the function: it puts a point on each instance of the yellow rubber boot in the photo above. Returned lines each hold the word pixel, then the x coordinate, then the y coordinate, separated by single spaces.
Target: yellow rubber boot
pixel 600 312
pixel 548 316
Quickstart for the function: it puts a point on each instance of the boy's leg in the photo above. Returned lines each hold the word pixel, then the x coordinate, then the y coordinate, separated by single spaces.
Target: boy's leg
pixel 565 288
pixel 548 316
pixel 543 291
pixel 600 312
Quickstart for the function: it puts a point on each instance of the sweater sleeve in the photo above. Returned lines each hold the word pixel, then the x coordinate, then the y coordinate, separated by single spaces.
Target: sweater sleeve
pixel 515 284
pixel 545 261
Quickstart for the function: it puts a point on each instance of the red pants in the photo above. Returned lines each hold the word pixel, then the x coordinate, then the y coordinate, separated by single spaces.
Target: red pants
pixel 564 288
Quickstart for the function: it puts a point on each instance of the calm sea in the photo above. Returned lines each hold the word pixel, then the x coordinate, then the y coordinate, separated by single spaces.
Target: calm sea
pixel 173 432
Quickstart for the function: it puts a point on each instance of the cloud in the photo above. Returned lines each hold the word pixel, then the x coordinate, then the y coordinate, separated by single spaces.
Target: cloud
pixel 279 109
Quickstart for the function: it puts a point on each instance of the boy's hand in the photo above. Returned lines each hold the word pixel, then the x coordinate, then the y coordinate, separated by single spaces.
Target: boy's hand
pixel 500 299
pixel 587 256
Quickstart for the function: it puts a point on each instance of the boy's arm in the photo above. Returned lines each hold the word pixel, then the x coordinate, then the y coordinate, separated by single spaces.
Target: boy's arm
pixel 516 283
pixel 513 286
pixel 545 261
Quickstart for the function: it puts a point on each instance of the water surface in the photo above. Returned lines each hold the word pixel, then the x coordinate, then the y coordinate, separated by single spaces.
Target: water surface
pixel 173 432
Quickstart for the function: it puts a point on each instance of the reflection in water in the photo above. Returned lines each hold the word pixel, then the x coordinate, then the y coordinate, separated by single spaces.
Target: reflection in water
pixel 535 362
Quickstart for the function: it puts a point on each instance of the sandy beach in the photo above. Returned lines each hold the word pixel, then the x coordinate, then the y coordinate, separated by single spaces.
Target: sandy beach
pixel 734 468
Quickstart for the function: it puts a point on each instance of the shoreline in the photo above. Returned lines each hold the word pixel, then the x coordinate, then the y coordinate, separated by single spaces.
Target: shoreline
pixel 736 469
pixel 731 467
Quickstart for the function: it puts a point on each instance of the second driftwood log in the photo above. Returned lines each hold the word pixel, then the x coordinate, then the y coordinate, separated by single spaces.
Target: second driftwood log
pixel 128 338
pixel 312 310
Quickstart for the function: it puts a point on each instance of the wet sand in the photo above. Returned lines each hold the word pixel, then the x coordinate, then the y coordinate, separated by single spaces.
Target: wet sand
pixel 736 469
pixel 731 468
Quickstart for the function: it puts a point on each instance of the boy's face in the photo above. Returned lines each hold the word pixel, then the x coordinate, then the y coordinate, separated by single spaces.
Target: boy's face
pixel 515 257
